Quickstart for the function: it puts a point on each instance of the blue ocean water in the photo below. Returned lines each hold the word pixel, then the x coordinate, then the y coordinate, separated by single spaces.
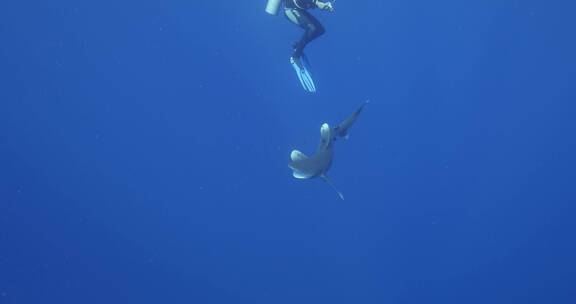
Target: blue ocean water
pixel 144 149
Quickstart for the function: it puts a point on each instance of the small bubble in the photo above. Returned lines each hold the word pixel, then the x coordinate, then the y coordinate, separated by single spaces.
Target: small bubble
pixel 3 294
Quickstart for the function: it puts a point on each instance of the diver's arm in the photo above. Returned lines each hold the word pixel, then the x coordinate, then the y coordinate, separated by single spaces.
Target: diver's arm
pixel 324 5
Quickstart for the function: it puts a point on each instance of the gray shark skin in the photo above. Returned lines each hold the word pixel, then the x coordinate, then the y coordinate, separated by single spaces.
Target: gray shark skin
pixel 317 165
pixel 341 130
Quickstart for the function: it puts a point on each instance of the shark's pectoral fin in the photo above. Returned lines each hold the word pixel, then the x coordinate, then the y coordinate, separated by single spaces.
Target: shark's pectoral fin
pixel 299 175
pixel 298 156
pixel 329 182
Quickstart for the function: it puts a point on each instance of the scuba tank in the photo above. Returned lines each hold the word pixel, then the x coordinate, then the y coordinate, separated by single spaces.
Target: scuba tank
pixel 273 6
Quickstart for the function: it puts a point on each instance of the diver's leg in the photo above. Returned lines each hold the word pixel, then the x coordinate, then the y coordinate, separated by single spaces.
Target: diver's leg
pixel 312 28
pixel 292 15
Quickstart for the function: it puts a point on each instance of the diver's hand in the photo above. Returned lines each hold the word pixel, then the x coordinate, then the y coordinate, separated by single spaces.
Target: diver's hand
pixel 325 6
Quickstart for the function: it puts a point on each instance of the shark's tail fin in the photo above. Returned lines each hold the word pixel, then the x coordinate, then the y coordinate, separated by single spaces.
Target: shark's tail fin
pixel 329 182
pixel 341 130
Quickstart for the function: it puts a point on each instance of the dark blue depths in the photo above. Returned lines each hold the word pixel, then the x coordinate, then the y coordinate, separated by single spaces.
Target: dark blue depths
pixel 143 153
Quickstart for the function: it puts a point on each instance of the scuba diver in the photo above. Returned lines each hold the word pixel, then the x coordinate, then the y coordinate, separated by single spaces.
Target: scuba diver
pixel 297 12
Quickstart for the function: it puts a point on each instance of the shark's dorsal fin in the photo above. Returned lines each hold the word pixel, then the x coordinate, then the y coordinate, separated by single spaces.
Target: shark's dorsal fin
pixel 298 156
pixel 325 130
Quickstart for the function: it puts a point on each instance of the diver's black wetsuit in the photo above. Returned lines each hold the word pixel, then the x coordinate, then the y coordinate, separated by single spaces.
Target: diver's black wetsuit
pixel 295 11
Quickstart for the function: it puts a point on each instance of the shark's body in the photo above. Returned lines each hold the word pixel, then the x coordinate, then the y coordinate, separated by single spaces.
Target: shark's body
pixel 317 165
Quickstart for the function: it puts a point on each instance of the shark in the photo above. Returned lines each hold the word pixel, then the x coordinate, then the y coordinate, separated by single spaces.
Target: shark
pixel 317 165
